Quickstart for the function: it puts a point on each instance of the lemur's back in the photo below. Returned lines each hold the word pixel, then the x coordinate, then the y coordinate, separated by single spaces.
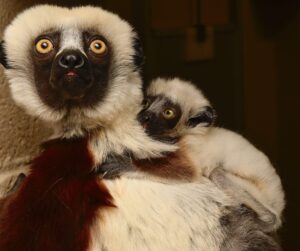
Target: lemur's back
pixel 249 167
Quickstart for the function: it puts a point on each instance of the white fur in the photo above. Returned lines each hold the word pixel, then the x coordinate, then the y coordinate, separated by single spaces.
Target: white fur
pixel 154 216
pixel 71 38
pixel 179 91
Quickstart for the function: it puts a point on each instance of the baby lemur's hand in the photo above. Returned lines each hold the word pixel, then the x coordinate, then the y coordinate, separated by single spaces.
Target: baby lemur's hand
pixel 114 166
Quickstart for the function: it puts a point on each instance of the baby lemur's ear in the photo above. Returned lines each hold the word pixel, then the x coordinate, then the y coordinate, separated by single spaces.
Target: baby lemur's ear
pixel 3 58
pixel 205 118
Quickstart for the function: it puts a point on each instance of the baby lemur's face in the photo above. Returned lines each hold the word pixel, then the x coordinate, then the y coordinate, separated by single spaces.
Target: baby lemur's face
pixel 159 116
pixel 164 119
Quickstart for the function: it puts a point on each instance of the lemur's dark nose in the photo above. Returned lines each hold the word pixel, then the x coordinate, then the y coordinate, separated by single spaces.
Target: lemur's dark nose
pixel 145 117
pixel 71 60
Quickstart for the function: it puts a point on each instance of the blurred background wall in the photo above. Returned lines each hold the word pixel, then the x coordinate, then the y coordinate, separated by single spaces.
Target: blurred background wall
pixel 245 55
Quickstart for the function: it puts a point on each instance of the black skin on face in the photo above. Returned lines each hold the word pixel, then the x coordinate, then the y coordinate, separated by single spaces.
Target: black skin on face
pixel 85 89
pixel 153 117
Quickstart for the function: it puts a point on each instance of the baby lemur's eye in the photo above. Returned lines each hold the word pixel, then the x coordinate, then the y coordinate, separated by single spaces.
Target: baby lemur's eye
pixel 169 113
pixel 44 46
pixel 98 47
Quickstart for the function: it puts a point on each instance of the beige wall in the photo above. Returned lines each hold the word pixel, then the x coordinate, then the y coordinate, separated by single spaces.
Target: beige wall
pixel 20 134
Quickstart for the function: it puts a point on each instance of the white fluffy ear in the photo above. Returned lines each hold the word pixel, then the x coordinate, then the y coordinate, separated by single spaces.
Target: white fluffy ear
pixel 3 58
pixel 205 118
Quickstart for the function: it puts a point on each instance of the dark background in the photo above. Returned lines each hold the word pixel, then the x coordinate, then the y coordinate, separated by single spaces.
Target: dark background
pixel 245 56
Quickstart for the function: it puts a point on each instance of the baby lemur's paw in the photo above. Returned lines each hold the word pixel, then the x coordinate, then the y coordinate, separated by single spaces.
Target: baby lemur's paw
pixel 114 167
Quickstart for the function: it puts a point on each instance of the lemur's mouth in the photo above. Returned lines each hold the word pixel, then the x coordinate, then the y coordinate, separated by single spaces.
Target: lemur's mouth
pixel 70 75
pixel 72 85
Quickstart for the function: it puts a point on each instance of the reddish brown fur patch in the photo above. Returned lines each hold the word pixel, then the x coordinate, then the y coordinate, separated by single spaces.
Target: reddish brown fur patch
pixel 172 166
pixel 56 204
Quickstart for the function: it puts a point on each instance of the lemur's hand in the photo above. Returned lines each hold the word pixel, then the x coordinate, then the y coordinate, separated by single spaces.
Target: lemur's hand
pixel 114 167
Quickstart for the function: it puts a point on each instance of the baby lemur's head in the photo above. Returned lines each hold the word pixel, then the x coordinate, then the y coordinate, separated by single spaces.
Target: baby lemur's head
pixel 173 108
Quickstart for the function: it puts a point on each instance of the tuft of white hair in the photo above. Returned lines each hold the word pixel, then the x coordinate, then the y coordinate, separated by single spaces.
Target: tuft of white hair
pixel 182 92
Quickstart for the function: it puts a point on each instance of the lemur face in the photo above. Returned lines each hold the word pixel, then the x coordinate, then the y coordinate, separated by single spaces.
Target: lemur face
pixel 159 116
pixel 71 76
pixel 173 107
pixel 72 64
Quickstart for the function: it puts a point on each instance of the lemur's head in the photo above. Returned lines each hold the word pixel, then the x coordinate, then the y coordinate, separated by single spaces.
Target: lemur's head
pixel 173 108
pixel 79 65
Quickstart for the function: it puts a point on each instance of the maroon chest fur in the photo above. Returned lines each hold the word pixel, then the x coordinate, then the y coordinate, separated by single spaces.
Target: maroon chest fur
pixel 57 203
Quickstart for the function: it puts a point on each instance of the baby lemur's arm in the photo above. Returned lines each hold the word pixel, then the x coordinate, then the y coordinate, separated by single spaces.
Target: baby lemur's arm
pixel 173 167
pixel 115 166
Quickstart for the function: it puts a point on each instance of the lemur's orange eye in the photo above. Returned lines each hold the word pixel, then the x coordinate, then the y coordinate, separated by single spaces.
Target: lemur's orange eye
pixel 169 113
pixel 98 47
pixel 44 46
